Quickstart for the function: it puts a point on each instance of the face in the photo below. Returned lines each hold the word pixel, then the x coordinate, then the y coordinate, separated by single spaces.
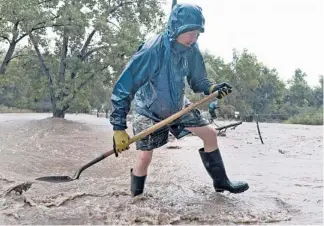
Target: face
pixel 188 38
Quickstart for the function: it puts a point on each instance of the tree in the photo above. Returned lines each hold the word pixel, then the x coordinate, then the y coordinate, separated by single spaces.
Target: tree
pixel 96 38
pixel 256 88
pixel 24 86
pixel 99 95
pixel 318 94
pixel 300 93
pixel 17 20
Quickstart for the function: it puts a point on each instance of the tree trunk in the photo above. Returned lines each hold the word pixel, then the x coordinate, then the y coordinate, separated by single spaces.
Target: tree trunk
pixel 11 49
pixel 58 113
pixel 7 58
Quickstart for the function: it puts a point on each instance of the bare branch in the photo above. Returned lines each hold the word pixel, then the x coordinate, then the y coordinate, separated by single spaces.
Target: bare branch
pixel 44 69
pixel 51 19
pixel 15 32
pixel 21 37
pixel 37 28
pixel 6 60
pixel 83 55
pixel 83 51
pixel 17 54
pixel 93 51
pixel 63 57
pixel 91 76
pixel 87 42
pixel 75 92
pixel 5 37
pixel 11 49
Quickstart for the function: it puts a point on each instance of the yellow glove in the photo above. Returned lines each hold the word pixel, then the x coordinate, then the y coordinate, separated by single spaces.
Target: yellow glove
pixel 121 141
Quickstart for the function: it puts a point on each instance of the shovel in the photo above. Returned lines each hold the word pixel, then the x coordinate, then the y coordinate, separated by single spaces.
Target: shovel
pixel 139 136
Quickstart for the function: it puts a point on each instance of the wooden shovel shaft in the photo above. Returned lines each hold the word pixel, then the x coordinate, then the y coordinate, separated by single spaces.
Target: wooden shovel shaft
pixel 150 130
pixel 171 118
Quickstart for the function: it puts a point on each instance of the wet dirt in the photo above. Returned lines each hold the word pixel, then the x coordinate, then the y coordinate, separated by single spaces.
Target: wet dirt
pixel 285 175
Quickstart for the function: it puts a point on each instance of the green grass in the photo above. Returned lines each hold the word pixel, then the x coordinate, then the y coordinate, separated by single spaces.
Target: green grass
pixel 5 109
pixel 314 118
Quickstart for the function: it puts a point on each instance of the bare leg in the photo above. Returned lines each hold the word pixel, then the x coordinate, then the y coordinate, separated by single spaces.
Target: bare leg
pixel 139 172
pixel 209 136
pixel 143 162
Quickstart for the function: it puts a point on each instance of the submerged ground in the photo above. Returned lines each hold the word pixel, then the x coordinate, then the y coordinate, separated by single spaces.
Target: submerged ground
pixel 284 174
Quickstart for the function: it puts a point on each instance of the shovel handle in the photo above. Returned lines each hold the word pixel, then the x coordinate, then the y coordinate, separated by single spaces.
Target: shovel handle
pixel 94 161
pixel 150 130
pixel 171 118
pixel 165 122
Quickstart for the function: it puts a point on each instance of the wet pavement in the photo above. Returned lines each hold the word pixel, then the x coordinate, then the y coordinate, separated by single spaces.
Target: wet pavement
pixel 284 174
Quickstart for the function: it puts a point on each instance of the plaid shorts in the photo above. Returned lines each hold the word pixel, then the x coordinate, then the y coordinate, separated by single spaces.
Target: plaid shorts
pixel 160 137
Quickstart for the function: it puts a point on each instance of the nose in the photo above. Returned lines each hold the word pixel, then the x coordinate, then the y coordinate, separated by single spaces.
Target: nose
pixel 194 37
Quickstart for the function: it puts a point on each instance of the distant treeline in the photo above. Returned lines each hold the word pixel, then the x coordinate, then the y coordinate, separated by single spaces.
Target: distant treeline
pixel 66 58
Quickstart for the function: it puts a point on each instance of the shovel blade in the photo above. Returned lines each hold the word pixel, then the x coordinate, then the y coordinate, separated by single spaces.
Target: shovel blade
pixel 55 179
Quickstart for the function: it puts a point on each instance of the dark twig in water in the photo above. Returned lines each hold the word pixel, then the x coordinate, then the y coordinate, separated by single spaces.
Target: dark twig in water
pixel 234 125
pixel 20 188
pixel 222 129
pixel 173 147
pixel 257 122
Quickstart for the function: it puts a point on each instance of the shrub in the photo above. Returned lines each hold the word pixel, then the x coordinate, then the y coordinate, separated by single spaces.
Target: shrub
pixel 5 109
pixel 311 118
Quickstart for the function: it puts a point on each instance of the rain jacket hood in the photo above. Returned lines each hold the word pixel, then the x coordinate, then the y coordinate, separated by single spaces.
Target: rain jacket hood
pixel 155 75
pixel 184 18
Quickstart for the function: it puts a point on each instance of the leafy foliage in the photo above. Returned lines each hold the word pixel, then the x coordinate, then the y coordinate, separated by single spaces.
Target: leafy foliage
pixel 311 118
pixel 65 56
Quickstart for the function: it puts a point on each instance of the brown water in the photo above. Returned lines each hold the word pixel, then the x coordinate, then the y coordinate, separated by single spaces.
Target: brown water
pixel 285 176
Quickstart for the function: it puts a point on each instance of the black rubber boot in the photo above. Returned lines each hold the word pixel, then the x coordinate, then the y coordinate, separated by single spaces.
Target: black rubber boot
pixel 137 184
pixel 215 167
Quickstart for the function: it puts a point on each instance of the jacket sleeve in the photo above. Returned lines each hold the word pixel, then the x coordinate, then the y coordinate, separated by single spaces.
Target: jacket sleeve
pixel 142 64
pixel 197 78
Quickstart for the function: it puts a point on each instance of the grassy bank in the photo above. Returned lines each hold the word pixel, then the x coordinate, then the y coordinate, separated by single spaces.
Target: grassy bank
pixel 5 109
pixel 314 118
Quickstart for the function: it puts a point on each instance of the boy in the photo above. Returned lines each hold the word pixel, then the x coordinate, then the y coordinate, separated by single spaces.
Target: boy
pixel 155 79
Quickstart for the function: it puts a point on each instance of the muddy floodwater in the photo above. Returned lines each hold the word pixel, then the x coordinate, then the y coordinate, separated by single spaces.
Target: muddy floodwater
pixel 285 175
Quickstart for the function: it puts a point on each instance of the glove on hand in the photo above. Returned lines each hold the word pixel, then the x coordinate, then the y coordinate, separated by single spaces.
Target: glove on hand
pixel 121 139
pixel 223 88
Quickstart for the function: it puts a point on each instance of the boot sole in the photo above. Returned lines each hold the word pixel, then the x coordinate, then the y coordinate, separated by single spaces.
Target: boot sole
pixel 234 192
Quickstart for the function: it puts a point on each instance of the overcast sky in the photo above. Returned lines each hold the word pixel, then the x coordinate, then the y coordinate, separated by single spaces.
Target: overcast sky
pixel 283 34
